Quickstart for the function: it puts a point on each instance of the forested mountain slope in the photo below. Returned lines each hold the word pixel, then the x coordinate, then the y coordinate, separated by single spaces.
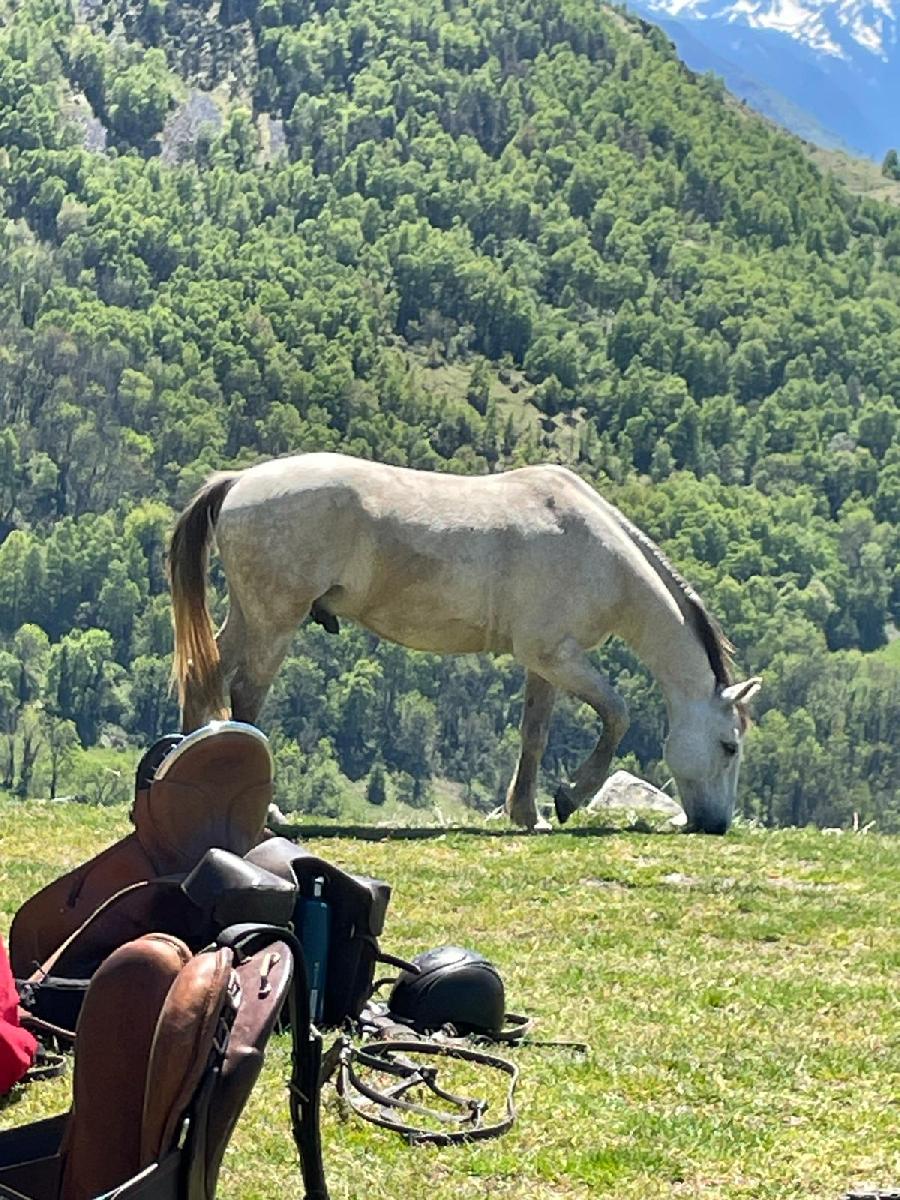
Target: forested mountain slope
pixel 460 237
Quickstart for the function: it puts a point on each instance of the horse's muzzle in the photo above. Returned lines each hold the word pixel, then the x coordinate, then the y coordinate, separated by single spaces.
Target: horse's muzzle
pixel 715 825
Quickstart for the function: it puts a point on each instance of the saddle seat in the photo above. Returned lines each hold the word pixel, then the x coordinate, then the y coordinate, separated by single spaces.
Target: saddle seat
pixel 167 1049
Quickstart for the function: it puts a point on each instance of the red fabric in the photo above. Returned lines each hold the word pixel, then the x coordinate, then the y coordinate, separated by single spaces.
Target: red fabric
pixel 17 1046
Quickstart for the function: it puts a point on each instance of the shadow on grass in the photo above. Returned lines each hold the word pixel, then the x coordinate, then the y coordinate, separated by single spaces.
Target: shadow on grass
pixel 11 1098
pixel 410 833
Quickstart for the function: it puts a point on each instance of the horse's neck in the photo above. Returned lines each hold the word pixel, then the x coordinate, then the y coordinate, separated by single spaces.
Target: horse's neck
pixel 667 644
pixel 655 621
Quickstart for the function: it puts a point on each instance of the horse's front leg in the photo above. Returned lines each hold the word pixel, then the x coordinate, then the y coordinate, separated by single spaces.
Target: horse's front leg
pixel 590 776
pixel 536 710
pixel 569 669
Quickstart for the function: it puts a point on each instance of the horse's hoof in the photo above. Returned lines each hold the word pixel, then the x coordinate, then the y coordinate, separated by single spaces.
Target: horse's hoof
pixel 563 804
pixel 542 825
pixel 522 821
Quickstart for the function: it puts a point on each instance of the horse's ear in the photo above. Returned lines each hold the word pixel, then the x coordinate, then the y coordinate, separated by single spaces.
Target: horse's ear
pixel 741 693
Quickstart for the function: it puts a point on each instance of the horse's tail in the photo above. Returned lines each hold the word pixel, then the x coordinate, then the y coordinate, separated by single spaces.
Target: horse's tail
pixel 195 666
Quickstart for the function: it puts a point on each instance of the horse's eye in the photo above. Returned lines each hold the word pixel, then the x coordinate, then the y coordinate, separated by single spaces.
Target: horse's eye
pixel 730 748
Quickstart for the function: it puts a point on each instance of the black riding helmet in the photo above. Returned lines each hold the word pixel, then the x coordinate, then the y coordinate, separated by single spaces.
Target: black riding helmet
pixel 453 986
pixel 153 758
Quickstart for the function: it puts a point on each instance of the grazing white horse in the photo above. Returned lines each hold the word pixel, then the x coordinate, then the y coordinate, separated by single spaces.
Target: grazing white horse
pixel 531 563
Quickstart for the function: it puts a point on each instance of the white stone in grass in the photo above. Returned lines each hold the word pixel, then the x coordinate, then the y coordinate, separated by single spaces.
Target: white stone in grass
pixel 624 790
pixel 275 817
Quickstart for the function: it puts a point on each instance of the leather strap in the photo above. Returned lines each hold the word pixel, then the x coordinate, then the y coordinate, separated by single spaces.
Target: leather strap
pixel 389 1057
pixel 38 1025
pixel 46 1065
pixel 516 1030
pixel 304 1087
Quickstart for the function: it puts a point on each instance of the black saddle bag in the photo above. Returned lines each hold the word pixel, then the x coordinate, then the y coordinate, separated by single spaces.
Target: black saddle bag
pixel 357 908
pixel 222 890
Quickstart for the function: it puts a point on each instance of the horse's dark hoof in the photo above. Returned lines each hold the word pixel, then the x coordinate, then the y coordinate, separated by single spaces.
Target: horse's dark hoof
pixel 563 804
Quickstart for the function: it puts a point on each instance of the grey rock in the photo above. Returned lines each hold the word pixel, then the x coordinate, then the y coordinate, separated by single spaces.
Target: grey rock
pixel 184 124
pixel 275 818
pixel 624 790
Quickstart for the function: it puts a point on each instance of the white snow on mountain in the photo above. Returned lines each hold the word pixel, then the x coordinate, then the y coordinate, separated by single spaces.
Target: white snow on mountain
pixel 827 69
pixel 833 27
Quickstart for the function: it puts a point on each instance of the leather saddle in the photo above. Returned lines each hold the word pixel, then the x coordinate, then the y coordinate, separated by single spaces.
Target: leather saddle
pixel 170 1034
pixel 210 789
pixel 168 1047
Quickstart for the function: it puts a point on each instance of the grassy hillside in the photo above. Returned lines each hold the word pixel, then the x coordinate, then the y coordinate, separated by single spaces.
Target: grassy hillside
pixel 738 996
pixel 858 175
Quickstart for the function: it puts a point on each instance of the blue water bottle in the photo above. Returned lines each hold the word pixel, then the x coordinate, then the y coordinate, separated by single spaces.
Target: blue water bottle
pixel 314 931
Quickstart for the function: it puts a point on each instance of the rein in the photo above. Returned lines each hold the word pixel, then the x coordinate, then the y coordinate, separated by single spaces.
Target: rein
pixel 381 1107
pixel 391 1051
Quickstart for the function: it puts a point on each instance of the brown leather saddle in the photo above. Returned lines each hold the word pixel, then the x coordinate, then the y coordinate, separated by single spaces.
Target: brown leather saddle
pixel 170 1032
pixel 168 1047
pixel 211 790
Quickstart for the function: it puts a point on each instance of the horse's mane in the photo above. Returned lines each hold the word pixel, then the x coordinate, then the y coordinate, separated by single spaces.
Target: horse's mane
pixel 719 650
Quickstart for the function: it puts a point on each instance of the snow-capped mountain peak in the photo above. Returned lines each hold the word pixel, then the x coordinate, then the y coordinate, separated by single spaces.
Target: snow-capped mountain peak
pixel 834 27
pixel 828 69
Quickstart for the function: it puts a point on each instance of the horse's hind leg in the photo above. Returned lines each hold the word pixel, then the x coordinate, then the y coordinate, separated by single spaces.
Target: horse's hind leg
pixel 229 640
pixel 568 668
pixel 259 661
pixel 252 645
pixel 536 711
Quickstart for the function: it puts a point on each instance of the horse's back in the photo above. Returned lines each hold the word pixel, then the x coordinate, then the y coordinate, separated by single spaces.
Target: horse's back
pixel 501 501
pixel 435 561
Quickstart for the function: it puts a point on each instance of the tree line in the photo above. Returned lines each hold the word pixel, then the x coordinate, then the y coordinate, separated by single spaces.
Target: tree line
pixel 493 234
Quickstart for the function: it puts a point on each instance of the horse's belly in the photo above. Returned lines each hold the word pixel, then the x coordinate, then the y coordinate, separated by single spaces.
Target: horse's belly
pixel 422 589
pixel 445 637
pixel 423 614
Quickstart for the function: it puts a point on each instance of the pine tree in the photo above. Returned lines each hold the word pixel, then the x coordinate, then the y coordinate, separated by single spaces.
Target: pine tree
pixel 376 788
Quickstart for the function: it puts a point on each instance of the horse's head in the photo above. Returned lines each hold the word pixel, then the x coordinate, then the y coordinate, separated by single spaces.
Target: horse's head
pixel 703 752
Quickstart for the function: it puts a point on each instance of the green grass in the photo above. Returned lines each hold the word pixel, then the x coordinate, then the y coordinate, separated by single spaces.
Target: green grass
pixel 859 175
pixel 891 652
pixel 739 997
